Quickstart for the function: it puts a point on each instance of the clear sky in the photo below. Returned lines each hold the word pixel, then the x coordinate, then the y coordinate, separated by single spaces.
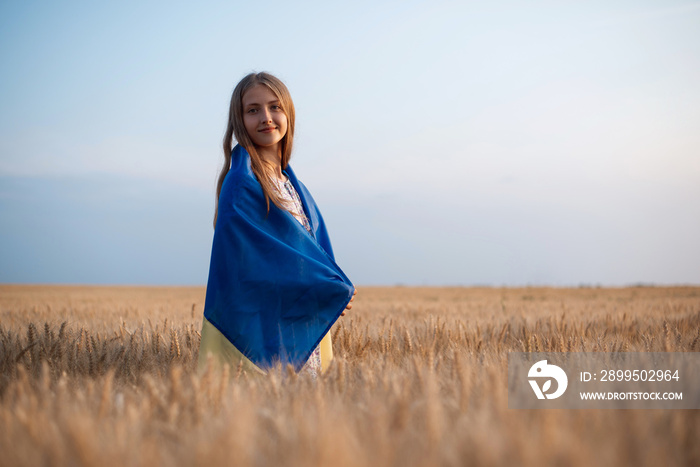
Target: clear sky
pixel 447 143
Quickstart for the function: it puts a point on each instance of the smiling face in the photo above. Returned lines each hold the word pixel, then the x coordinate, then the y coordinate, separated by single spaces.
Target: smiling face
pixel 263 118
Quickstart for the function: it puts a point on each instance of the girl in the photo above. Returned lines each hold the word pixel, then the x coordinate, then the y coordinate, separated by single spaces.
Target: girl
pixel 274 290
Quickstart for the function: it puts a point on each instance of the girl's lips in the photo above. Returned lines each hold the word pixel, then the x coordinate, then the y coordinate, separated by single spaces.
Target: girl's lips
pixel 267 129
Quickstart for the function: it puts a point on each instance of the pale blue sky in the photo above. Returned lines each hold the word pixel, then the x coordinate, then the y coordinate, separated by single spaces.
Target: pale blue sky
pixel 500 143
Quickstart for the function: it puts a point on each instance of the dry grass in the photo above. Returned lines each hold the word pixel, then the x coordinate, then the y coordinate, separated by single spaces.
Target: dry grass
pixel 106 376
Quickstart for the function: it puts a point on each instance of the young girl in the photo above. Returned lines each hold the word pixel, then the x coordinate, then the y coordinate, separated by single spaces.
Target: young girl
pixel 274 290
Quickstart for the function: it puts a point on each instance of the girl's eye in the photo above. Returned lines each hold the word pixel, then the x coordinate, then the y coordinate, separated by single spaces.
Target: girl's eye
pixel 277 107
pixel 250 111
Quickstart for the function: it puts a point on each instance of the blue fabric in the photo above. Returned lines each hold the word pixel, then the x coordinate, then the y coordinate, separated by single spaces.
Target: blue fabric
pixel 274 289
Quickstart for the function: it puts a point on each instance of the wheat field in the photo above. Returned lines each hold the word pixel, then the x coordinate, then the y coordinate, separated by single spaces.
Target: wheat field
pixel 107 376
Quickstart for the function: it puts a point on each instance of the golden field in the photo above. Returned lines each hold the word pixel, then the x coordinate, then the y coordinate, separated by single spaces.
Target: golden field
pixel 107 376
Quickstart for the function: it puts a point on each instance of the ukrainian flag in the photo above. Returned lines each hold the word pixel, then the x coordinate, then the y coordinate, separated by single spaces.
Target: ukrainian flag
pixel 274 289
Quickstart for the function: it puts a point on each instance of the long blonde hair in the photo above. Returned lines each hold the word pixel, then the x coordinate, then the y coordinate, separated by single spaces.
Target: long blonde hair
pixel 236 129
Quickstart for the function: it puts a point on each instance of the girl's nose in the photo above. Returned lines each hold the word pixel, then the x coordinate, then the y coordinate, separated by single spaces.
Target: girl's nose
pixel 266 116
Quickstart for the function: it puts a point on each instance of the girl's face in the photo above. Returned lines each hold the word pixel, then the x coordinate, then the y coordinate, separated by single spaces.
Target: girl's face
pixel 263 117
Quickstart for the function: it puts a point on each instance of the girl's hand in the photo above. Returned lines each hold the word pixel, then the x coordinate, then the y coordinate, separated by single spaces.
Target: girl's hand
pixel 349 304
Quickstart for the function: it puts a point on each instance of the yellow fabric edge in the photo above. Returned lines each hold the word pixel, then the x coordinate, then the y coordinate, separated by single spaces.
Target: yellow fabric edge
pixel 326 349
pixel 215 348
pixel 221 351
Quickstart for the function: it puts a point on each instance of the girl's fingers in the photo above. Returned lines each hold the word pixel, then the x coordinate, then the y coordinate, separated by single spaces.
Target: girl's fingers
pixel 349 305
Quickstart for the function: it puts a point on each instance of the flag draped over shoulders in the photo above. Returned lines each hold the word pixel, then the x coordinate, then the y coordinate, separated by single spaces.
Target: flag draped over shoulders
pixel 274 289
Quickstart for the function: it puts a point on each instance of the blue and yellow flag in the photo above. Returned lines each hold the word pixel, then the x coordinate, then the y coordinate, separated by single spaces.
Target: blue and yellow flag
pixel 274 290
